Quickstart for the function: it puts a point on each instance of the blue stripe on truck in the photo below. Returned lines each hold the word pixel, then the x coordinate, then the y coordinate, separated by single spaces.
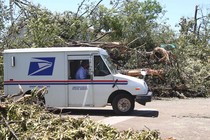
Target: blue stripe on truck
pixel 66 82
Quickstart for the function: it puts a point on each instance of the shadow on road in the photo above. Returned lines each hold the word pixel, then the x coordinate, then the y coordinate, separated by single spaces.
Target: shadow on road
pixel 104 112
pixel 145 113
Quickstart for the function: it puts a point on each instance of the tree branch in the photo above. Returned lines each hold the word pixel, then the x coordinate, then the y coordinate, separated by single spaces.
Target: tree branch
pixel 133 41
pixel 91 10
pixel 95 7
pixel 101 36
pixel 10 129
pixel 78 9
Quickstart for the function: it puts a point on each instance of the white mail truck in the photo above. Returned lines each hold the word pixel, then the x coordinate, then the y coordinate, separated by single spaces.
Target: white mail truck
pixel 56 69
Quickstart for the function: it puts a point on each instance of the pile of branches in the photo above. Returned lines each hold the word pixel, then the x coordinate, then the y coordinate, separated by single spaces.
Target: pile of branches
pixel 23 118
pixel 168 75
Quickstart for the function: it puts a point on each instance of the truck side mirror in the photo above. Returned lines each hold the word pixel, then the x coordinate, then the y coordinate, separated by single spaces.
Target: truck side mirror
pixel 91 74
pixel 144 73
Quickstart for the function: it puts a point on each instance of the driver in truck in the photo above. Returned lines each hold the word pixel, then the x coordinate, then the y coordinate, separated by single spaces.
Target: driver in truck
pixel 82 72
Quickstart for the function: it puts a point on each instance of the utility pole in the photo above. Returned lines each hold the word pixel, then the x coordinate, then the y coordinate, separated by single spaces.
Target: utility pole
pixel 195 19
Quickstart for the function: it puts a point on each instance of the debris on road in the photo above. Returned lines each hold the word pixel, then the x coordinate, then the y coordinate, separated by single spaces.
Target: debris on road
pixel 27 119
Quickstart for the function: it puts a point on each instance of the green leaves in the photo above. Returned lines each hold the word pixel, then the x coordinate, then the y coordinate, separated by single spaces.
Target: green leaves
pixel 42 30
pixel 125 21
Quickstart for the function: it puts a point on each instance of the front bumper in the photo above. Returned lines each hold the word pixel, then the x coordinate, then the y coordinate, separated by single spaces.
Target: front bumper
pixel 143 99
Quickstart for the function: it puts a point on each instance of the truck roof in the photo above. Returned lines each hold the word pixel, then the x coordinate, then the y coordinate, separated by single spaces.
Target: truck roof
pixel 56 49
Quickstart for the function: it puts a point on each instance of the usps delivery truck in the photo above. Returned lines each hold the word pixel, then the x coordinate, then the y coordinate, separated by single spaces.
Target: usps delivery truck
pixel 56 68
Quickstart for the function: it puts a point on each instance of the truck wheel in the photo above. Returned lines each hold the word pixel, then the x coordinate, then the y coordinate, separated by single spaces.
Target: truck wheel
pixel 123 104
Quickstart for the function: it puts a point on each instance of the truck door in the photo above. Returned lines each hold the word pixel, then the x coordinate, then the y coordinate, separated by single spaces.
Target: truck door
pixel 79 90
pixel 102 81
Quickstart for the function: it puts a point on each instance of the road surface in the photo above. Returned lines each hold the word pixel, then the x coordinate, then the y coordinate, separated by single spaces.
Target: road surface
pixel 182 119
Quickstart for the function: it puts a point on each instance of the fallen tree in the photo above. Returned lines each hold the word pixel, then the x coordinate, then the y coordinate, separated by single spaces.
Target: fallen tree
pixel 166 75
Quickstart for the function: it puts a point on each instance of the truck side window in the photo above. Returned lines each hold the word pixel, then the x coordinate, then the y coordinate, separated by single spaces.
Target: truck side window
pixel 100 68
pixel 74 66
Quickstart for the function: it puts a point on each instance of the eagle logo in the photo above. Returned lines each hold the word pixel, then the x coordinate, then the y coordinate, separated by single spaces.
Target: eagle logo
pixel 41 66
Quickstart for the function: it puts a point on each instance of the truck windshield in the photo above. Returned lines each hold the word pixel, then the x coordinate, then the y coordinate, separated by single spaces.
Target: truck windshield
pixel 110 64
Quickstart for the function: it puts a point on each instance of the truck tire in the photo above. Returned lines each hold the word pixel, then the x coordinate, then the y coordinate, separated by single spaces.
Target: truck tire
pixel 123 104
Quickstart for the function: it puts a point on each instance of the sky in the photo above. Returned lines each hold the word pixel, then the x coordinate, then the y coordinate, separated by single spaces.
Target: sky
pixel 175 8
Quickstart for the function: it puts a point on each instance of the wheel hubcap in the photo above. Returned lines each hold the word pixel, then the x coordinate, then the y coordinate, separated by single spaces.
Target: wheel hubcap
pixel 124 105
